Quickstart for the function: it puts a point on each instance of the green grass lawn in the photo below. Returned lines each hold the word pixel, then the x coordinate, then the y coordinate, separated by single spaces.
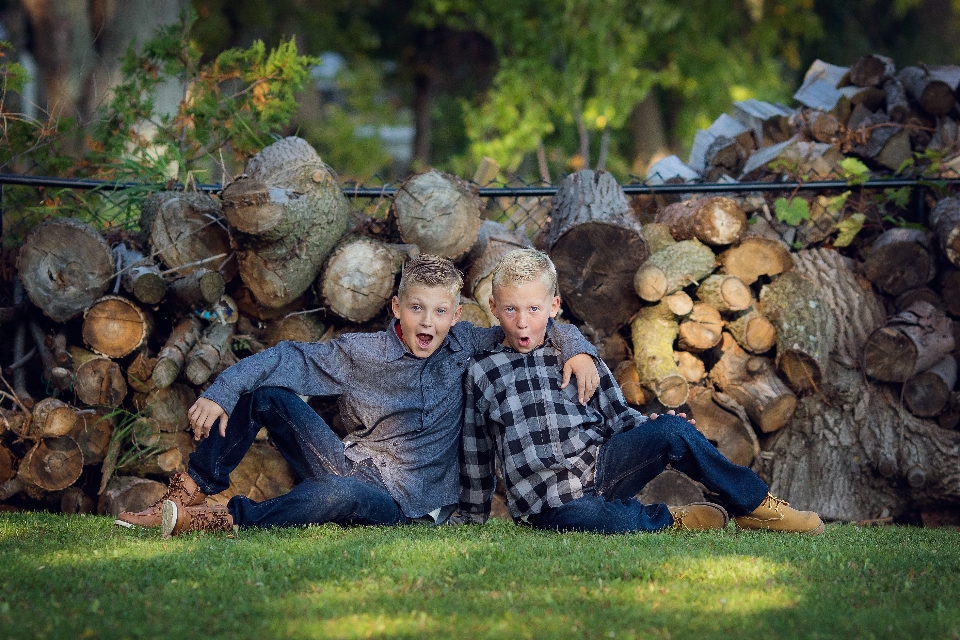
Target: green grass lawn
pixel 81 577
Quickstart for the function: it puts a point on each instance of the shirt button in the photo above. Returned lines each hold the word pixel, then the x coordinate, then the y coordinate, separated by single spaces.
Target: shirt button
pixel 395 443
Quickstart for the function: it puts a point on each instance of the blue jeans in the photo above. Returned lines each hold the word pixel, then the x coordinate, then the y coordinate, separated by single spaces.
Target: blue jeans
pixel 331 489
pixel 629 460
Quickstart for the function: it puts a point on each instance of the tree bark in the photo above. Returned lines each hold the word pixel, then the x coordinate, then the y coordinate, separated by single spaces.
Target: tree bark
pixel 139 275
pixel 7 464
pixel 438 212
pixel 65 266
pixel 927 393
pixel 714 221
pixel 725 293
pixel 299 328
pixel 945 222
pixel 672 268
pixel 201 289
pixel 702 330
pixel 911 342
pixel 654 330
pixel 93 434
pixel 186 231
pixel 205 356
pixel 730 432
pixel 166 408
pixel 115 327
pixel 898 108
pixel 871 70
pixel 597 246
pixel 57 376
pixel 172 357
pixel 359 277
pixel 755 256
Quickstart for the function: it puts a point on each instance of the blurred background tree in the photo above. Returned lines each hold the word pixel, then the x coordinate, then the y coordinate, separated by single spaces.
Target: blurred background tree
pixel 542 87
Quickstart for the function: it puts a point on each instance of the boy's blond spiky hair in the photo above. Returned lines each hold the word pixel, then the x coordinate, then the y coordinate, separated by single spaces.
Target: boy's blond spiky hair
pixel 521 266
pixel 431 271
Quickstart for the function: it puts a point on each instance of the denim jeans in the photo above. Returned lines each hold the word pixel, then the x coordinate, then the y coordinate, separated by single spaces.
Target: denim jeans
pixel 332 488
pixel 629 460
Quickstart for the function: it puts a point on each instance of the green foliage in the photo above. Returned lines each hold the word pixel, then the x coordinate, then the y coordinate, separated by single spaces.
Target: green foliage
pixel 899 198
pixel 849 228
pixel 127 439
pixel 900 221
pixel 792 211
pixel 854 171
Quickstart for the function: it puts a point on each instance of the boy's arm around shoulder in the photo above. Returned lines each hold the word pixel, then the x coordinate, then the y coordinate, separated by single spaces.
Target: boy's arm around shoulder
pixel 579 358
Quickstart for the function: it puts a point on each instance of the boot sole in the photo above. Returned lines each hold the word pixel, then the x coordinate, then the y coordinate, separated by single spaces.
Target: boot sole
pixel 812 532
pixel 168 518
pixel 124 523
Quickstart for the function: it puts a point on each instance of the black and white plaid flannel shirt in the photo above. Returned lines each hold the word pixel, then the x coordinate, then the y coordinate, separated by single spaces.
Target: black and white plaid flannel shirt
pixel 545 440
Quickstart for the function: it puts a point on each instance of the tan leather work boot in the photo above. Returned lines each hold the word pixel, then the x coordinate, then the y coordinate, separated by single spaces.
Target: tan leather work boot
pixel 775 514
pixel 178 519
pixel 150 517
pixel 699 516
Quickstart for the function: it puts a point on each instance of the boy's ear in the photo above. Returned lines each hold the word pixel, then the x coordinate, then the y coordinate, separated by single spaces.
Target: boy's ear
pixel 555 307
pixel 493 308
pixel 457 314
pixel 395 307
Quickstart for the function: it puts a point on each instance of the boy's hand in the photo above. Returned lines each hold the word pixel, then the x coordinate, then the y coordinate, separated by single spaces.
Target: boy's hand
pixel 654 416
pixel 203 415
pixel 588 377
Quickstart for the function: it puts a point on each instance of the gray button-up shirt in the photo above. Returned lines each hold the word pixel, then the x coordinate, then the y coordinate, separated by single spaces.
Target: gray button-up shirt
pixel 403 412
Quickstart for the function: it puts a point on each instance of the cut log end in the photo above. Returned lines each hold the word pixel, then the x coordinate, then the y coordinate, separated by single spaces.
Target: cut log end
pixel 801 370
pixel 650 283
pixel 672 391
pixel 889 355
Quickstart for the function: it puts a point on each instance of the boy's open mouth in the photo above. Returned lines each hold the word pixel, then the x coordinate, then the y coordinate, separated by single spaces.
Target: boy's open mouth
pixel 524 341
pixel 424 340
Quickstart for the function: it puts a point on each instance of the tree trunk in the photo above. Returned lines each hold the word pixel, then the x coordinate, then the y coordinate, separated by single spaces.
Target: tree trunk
pixel 597 246
pixel 172 357
pixel 438 212
pixel 654 330
pixel 493 243
pixel 931 93
pixel 205 356
pixel 752 382
pixel 115 327
pixel 804 329
pixel 755 256
pixel 186 231
pixel 715 221
pixel 201 289
pixel 262 474
pixel 731 433
pixel 299 328
pixel 672 268
pixel 140 277
pixel 725 293
pixel 911 342
pixel 359 277
pixel 99 381
pixel 753 331
pixel 65 266
pixel 702 330
pixel 927 393
pixel 871 70
pixel 945 222
pixel 129 493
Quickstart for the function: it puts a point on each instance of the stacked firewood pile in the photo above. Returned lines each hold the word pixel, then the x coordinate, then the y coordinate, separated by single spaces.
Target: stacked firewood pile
pixel 828 369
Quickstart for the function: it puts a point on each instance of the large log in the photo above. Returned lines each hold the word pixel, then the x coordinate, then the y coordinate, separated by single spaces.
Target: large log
pixel 493 242
pixel 911 342
pixel 929 91
pixel 359 277
pixel 654 330
pixel 927 393
pixel 701 330
pixel 755 256
pixel 899 260
pixel 753 331
pixel 752 382
pixel 715 221
pixel 187 232
pixel 139 275
pixel 804 329
pixel 730 432
pixel 65 265
pixel 172 357
pixel 597 246
pixel 200 289
pixel 298 328
pixel 438 212
pixel 289 212
pixel 945 222
pixel 52 464
pixel 206 355
pixel 115 327
pixel 672 268
pixel 97 380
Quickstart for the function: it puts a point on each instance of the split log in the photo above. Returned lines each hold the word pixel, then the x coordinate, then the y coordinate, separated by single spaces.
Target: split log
pixel 673 268
pixel 820 125
pixel 8 464
pixel 115 327
pixel 871 70
pixel 628 378
pixel 898 107
pixel 927 393
pixel 187 232
pixel 262 474
pixel 821 89
pixel 751 381
pixel 753 331
pixel 929 91
pixel 473 313
pixel 65 266
pixel 172 357
pixel 298 328
pixel 804 327
pixel 755 256
pixel 702 330
pixel 680 303
pixel 52 464
pixel 654 330
pixel 945 222
pixel 205 356
pixel 93 434
pixel 493 243
pixel 139 275
pixel 129 493
pixel 140 372
pixel 721 149
pixel 899 260
pixel 289 212
pixel 97 380
pixel 200 289
pixel 360 276
pixel 801 157
pixel 715 221
pixel 438 212
pixel 597 246
pixel 911 342
pixel 691 367
pixel 725 293
pixel 53 418
pixel 729 432
pixel 769 122
pixel 56 375
pixel 670 170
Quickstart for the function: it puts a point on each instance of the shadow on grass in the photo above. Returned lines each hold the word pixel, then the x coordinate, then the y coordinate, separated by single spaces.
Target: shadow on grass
pixel 81 577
